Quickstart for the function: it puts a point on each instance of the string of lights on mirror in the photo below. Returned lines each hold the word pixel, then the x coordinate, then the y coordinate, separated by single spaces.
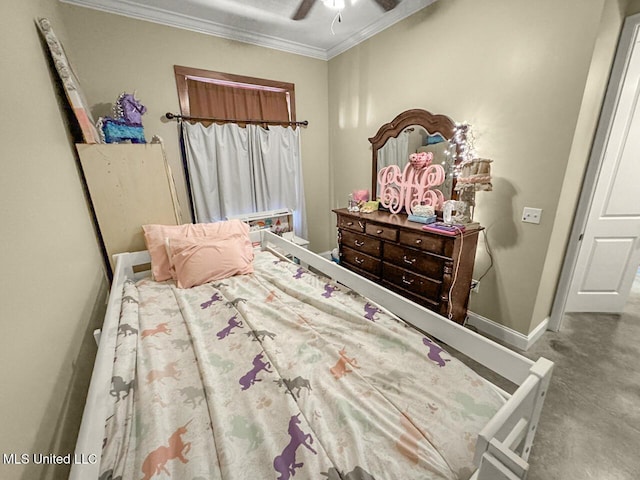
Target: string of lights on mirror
pixel 461 148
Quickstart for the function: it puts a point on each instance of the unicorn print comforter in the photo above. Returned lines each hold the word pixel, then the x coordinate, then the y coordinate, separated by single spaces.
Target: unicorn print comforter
pixel 282 373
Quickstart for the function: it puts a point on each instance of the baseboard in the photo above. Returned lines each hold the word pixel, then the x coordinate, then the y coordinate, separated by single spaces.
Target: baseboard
pixel 505 334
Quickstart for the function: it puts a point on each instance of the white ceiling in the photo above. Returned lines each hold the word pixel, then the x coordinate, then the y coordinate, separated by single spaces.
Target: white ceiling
pixel 268 22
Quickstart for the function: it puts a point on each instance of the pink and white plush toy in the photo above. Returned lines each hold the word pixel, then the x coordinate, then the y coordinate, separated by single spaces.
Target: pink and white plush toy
pixel 361 195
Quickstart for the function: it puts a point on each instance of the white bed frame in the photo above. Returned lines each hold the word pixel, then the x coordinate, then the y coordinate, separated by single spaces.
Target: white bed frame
pixel 503 446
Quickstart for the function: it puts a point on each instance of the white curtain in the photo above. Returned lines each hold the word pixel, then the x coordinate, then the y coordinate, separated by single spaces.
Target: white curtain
pixel 395 151
pixel 235 171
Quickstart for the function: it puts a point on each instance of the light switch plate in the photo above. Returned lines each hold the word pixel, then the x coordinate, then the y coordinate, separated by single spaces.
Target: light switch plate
pixel 531 215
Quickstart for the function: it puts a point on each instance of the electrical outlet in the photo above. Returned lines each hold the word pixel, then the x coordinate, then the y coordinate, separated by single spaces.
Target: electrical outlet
pixel 475 286
pixel 531 215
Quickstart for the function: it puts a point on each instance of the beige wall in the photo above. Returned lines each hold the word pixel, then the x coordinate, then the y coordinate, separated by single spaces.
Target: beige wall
pixel 113 54
pixel 53 288
pixel 608 33
pixel 517 72
pixel 633 7
pixel 518 75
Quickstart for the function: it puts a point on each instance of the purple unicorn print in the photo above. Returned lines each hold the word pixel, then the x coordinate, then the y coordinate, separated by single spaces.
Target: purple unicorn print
pixel 328 290
pixel 250 377
pixel 285 463
pixel 434 352
pixel 214 298
pixel 370 311
pixel 299 273
pixel 231 324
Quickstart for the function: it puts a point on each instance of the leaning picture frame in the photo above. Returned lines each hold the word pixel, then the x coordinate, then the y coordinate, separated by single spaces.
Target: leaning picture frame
pixel 70 82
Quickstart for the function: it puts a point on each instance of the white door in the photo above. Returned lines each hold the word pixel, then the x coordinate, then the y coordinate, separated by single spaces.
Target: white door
pixel 610 250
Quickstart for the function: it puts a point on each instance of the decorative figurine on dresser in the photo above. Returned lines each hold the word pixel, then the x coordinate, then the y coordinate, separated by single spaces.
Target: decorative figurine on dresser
pixel 427 261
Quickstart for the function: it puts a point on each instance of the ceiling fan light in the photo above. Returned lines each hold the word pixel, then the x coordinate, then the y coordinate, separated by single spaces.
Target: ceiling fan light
pixel 335 4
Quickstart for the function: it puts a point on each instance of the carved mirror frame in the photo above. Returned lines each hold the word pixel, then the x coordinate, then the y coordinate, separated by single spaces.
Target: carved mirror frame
pixel 433 123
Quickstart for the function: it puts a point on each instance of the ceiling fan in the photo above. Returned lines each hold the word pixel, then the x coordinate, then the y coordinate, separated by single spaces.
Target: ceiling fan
pixel 305 6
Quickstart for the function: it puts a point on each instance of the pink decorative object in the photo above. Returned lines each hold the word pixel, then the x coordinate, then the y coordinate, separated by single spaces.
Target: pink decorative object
pixel 361 195
pixel 412 186
pixel 421 160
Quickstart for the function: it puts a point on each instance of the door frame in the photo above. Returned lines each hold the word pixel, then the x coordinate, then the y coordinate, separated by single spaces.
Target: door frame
pixel 622 56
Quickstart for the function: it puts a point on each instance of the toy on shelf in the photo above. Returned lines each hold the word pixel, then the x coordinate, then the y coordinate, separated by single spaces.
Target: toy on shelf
pixel 357 200
pixel 126 123
pixel 369 207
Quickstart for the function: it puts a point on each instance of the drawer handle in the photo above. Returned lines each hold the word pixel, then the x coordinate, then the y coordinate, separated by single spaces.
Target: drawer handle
pixel 407 282
pixel 418 241
pixel 379 231
pixel 410 261
pixel 358 244
pixel 359 261
pixel 349 224
pixel 361 224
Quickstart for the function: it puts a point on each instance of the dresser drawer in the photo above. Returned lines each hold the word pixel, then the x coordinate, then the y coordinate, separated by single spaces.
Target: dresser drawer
pixel 360 260
pixel 414 260
pixel 361 243
pixel 381 231
pixel 351 223
pixel 418 284
pixel 423 241
pixel 425 302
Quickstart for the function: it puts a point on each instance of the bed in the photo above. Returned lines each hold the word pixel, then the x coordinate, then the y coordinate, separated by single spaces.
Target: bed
pixel 296 372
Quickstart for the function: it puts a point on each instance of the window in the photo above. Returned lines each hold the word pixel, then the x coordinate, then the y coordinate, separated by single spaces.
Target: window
pixel 231 170
pixel 224 96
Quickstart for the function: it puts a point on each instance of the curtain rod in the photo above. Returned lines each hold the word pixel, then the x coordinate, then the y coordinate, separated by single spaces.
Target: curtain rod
pixel 173 116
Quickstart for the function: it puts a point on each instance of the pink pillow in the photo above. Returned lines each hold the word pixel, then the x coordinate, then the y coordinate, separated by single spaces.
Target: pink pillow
pixel 155 236
pixel 199 260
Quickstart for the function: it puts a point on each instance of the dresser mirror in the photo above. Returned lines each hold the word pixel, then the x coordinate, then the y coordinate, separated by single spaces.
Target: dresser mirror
pixel 414 131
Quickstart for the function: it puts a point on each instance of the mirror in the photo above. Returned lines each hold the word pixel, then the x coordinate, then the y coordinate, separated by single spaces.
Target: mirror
pixel 414 131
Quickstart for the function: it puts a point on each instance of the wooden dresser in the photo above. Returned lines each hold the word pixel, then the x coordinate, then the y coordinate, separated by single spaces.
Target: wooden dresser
pixel 421 266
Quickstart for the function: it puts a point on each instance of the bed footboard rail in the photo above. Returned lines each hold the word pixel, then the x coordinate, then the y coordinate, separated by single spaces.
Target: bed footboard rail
pixel 504 445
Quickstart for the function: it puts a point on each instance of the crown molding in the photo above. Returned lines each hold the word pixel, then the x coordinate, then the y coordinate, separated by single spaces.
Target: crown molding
pixel 186 22
pixel 402 11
